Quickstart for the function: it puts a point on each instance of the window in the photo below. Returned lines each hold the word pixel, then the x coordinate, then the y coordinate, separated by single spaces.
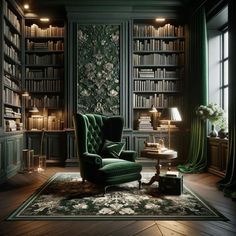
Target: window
pixel 218 59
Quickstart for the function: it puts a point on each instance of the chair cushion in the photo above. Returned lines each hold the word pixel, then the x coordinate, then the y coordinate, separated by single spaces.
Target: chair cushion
pixel 111 149
pixel 118 168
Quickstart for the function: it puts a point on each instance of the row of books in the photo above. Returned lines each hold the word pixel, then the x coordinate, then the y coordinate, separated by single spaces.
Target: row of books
pixel 144 123
pixel 13 37
pixel 158 73
pixel 158 100
pixel 52 72
pixel 40 122
pixel 167 30
pixel 154 44
pixel 11 52
pixel 44 85
pixel 12 125
pixel 49 45
pixel 54 59
pixel 12 69
pixel 9 112
pixel 11 97
pixel 158 59
pixel 161 86
pixel 46 102
pixel 51 31
pixel 8 82
pixel 11 16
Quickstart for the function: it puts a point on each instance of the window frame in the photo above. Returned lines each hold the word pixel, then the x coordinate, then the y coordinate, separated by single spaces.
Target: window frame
pixel 223 86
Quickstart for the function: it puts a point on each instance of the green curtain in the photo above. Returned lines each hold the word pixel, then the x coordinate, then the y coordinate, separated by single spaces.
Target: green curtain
pixel 228 184
pixel 198 78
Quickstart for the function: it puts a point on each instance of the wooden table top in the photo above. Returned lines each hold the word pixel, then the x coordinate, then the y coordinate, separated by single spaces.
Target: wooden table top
pixel 158 154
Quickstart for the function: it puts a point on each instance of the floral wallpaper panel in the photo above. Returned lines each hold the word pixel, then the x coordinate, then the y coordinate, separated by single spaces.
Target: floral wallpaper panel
pixel 98 82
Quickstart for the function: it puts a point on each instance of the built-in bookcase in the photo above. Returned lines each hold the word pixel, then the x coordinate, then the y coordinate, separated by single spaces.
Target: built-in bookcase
pixel 44 73
pixel 158 64
pixel 11 67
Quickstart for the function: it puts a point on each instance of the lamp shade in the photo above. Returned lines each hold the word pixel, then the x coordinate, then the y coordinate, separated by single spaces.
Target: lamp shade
pixel 34 109
pixel 25 94
pixel 170 114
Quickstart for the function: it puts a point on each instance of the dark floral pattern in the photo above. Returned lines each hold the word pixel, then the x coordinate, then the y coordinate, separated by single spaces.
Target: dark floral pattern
pixel 66 196
pixel 98 82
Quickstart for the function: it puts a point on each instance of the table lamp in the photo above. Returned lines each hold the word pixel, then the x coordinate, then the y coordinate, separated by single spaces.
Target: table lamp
pixel 170 114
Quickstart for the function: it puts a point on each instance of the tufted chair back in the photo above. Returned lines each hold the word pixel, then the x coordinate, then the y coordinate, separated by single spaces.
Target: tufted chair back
pixel 94 129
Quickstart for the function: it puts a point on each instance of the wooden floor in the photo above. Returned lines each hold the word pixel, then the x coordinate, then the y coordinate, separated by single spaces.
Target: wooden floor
pixel 20 187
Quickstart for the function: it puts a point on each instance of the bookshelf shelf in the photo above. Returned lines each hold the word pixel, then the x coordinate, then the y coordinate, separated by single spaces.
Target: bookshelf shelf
pixel 42 65
pixel 151 91
pixel 12 105
pixel 156 66
pixel 44 51
pixel 158 63
pixel 44 74
pixel 12 43
pixel 156 51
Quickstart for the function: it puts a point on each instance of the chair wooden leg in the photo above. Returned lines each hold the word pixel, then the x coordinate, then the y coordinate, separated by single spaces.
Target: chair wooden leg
pixel 139 184
pixel 105 189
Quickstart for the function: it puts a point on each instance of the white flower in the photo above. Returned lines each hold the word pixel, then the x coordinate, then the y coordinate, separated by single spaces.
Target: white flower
pixel 127 211
pixel 90 67
pixel 85 93
pixel 99 75
pixel 103 42
pixel 81 36
pixel 115 37
pixel 105 211
pixel 108 66
pixel 80 206
pixel 113 93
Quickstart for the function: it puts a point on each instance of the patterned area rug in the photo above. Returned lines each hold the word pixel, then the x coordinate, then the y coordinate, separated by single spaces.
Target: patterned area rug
pixel 65 197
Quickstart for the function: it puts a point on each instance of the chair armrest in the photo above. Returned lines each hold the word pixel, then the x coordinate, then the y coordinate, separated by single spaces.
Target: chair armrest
pixel 128 155
pixel 92 159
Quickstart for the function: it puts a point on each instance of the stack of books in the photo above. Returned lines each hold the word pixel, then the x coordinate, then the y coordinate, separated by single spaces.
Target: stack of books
pixel 145 123
pixel 146 73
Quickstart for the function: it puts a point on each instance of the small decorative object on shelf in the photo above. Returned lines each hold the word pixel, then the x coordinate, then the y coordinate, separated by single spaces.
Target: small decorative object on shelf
pixel 223 133
pixel 215 114
pixel 213 132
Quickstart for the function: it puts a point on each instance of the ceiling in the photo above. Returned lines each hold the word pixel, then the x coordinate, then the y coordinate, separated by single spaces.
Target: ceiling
pixel 39 5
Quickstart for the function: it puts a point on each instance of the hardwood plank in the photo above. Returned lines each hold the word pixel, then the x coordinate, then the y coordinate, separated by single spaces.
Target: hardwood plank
pixel 133 228
pixel 177 227
pixel 168 232
pixel 151 231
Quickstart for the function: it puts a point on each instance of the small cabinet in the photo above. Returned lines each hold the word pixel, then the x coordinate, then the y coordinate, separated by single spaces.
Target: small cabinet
pixel 10 155
pixel 217 156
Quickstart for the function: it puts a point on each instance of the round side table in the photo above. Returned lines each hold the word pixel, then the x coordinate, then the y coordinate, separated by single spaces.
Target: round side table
pixel 158 155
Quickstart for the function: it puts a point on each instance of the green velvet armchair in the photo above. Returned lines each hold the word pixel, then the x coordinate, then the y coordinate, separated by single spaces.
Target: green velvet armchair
pixel 102 158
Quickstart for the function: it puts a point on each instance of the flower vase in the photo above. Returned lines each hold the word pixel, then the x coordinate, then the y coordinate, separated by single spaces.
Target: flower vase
pixel 213 132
